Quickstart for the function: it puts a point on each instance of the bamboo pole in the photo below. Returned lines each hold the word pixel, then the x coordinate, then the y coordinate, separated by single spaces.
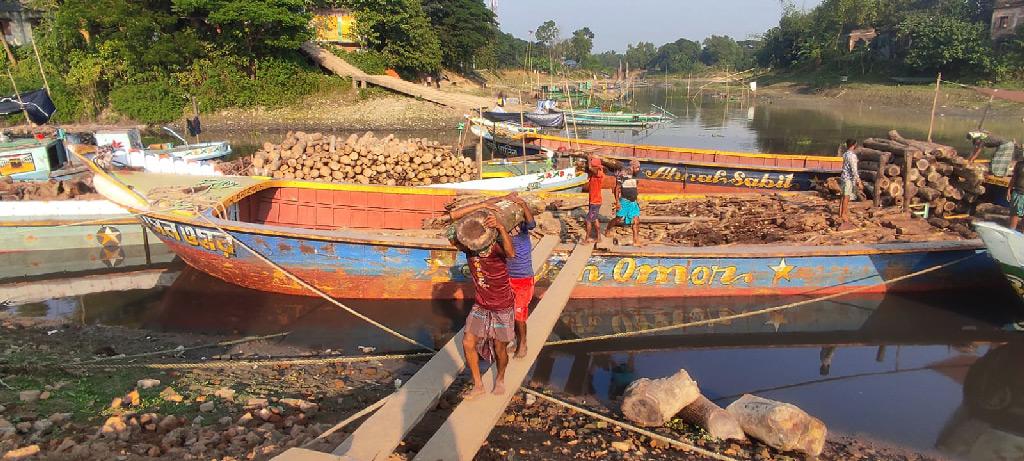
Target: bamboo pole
pixel 575 129
pixel 522 123
pixel 935 103
pixel 480 154
pixel 18 95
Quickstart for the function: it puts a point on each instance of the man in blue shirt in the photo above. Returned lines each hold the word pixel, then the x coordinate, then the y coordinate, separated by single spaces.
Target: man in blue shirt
pixel 520 272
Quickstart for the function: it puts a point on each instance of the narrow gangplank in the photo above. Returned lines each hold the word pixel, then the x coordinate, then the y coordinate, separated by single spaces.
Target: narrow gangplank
pixel 465 431
pixel 379 435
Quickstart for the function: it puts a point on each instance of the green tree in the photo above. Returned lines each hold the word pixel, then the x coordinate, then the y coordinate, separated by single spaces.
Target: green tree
pixel 679 56
pixel 640 55
pixel 547 33
pixel 464 27
pixel 580 45
pixel 941 43
pixel 401 31
pixel 251 29
pixel 510 51
pixel 721 50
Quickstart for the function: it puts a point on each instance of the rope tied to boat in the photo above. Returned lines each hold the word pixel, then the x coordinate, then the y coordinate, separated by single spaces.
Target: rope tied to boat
pixel 728 318
pixel 314 289
pixel 228 364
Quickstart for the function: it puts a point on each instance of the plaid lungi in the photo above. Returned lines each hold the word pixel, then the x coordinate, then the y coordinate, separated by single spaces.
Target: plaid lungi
pixel 490 326
pixel 1000 165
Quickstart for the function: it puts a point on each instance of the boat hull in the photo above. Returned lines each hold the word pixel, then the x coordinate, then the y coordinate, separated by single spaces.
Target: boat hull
pixel 430 269
pixel 1007 248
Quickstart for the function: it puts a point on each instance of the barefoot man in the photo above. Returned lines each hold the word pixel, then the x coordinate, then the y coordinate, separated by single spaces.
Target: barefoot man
pixel 850 180
pixel 627 207
pixel 490 324
pixel 596 171
pixel 520 272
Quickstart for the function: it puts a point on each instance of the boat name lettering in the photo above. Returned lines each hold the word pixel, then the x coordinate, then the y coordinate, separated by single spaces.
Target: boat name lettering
pixel 627 270
pixel 195 236
pixel 738 179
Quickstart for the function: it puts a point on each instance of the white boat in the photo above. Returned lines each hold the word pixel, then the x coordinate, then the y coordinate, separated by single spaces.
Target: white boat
pixel 127 149
pixel 551 180
pixel 1006 246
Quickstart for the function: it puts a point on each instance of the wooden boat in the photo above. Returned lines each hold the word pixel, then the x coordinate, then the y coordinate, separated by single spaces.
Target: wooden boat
pixel 685 170
pixel 549 180
pixel 366 242
pixel 506 167
pixel 73 237
pixel 552 120
pixel 32 159
pixel 1007 247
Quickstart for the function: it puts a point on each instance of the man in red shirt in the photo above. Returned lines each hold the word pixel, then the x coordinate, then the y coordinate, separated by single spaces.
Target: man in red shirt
pixel 596 171
pixel 490 326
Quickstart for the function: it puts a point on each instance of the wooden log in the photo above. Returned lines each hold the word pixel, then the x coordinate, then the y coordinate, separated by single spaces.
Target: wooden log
pixel 952 193
pixel 865 154
pixel 928 147
pixel 653 402
pixel 893 170
pixel 714 419
pixel 868 175
pixel 867 166
pixel 894 189
pixel 780 425
pixel 885 145
pixel 471 232
pixel 928 193
pixel 914 174
pixel 922 164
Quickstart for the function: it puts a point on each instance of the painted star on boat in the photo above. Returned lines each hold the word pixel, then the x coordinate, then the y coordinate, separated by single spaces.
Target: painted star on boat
pixel 782 271
pixel 108 236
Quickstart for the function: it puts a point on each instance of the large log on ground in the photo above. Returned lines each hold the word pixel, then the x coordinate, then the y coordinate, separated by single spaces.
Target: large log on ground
pixel 719 423
pixel 928 147
pixel 653 402
pixel 781 425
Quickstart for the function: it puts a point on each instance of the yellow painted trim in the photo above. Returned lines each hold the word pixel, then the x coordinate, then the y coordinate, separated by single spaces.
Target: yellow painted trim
pixel 687 150
pixel 505 174
pixel 723 165
pixel 997 181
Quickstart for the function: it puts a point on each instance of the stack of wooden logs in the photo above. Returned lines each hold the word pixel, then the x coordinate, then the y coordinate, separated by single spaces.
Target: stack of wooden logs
pixel 362 159
pixel 898 171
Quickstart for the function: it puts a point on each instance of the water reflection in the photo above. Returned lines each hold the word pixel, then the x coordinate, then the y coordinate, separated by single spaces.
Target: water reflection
pixel 790 126
pixel 932 370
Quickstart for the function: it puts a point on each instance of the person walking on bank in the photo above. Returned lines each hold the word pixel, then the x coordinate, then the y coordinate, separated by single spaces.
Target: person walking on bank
pixel 596 171
pixel 850 183
pixel 1001 158
pixel 490 324
pixel 627 207
pixel 1015 192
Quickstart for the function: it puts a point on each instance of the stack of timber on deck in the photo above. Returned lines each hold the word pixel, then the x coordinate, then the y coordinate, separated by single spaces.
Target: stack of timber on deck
pixel 897 170
pixel 362 159
pixel 667 169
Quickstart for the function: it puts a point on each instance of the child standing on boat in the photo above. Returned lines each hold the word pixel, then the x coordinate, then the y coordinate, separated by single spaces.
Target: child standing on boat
pixel 520 272
pixel 596 171
pixel 490 324
pixel 850 182
pixel 627 206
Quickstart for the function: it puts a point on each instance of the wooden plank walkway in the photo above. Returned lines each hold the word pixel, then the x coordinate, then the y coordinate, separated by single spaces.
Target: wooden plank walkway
pixel 465 431
pixel 380 434
pixel 337 65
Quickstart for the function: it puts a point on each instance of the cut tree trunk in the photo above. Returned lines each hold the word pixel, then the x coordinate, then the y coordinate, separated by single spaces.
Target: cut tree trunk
pixel 719 423
pixel 781 425
pixel 653 402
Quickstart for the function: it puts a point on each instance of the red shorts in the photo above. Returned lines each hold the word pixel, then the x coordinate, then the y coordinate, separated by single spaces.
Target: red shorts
pixel 523 289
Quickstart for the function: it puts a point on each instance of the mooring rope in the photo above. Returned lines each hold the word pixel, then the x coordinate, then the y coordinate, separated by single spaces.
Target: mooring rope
pixel 629 427
pixel 314 289
pixel 759 311
pixel 247 339
pixel 226 364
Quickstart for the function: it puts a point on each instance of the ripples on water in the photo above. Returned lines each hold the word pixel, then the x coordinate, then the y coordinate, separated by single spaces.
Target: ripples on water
pixel 895 368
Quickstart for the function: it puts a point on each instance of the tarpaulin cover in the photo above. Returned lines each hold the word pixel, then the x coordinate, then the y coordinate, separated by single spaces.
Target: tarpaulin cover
pixel 37 104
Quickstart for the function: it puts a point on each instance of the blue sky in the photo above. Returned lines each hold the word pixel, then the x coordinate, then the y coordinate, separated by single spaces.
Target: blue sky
pixel 620 22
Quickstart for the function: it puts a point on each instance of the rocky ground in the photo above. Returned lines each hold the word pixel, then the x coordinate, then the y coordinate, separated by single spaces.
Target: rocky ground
pixel 237 413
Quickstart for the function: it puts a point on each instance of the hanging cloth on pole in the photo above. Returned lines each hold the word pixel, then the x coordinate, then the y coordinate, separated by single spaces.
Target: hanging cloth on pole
pixel 194 126
pixel 36 103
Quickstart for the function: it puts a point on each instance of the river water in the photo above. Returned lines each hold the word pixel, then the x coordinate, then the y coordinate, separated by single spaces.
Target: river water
pixel 922 371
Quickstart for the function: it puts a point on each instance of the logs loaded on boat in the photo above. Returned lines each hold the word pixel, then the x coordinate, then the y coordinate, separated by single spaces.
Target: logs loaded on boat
pixel 897 170
pixel 362 159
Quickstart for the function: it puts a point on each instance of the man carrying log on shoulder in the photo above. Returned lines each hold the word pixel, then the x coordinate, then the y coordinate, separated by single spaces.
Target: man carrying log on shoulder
pixel 627 207
pixel 596 171
pixel 1000 165
pixel 490 324
pixel 1015 191
pixel 850 182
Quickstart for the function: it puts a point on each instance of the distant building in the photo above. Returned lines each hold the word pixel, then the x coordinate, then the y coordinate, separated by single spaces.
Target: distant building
pixel 16 22
pixel 336 25
pixel 1006 16
pixel 860 35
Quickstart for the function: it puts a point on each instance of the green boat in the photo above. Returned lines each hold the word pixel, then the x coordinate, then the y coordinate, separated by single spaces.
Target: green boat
pixel 32 159
pixel 597 117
